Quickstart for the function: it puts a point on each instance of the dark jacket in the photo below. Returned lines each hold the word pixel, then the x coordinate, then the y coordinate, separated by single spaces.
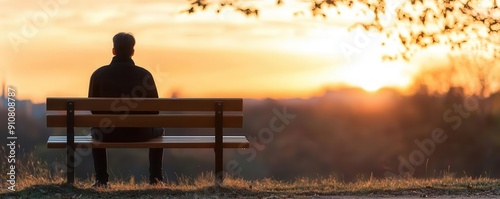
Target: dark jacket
pixel 122 78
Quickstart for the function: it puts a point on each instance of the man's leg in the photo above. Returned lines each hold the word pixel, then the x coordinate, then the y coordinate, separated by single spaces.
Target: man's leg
pixel 100 159
pixel 156 159
pixel 100 165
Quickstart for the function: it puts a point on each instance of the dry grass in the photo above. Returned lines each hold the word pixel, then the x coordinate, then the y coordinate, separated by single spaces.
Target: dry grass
pixel 36 180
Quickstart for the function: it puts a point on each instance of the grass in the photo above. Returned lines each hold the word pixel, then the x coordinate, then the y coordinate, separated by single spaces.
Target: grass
pixel 201 187
pixel 36 180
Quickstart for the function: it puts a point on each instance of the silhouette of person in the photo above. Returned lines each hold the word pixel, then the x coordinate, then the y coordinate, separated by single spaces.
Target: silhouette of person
pixel 122 78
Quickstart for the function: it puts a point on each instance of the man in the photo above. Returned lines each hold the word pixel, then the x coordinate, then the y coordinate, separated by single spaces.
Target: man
pixel 122 78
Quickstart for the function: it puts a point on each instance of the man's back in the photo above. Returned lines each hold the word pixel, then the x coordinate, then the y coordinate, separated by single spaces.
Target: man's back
pixel 122 78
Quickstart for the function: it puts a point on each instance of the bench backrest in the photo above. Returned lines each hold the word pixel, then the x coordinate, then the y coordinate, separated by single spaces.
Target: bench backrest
pixel 175 113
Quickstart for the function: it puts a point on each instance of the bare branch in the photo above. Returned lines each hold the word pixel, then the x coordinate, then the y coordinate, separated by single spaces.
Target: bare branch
pixel 418 24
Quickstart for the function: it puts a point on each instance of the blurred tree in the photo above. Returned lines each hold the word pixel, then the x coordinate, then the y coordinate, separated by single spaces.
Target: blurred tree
pixel 478 65
pixel 414 24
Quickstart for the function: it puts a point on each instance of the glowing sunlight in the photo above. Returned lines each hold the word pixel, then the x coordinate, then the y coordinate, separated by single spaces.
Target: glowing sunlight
pixel 371 76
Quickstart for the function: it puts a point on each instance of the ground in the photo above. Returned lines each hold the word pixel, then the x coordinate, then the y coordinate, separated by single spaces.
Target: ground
pixel 202 187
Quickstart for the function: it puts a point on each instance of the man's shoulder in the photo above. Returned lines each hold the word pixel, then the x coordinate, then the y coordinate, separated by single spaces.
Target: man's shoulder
pixel 100 70
pixel 106 69
pixel 143 70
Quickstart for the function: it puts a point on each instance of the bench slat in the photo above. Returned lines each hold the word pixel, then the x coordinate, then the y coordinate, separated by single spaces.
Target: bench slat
pixel 145 104
pixel 163 142
pixel 163 120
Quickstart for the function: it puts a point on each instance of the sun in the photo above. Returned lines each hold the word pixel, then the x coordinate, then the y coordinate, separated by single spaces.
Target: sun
pixel 370 87
pixel 374 76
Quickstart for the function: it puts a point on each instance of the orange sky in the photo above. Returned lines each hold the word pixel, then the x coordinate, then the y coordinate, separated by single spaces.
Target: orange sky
pixel 200 55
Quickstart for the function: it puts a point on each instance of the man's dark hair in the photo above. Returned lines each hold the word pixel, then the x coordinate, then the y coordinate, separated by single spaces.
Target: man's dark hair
pixel 123 43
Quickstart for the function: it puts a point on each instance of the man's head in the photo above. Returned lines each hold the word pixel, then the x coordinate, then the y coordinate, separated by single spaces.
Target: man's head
pixel 123 44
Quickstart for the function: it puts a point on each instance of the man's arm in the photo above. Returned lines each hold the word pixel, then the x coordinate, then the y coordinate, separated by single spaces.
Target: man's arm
pixel 152 92
pixel 91 86
pixel 150 85
pixel 93 89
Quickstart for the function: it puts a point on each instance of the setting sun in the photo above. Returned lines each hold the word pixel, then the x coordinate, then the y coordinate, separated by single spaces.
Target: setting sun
pixel 373 75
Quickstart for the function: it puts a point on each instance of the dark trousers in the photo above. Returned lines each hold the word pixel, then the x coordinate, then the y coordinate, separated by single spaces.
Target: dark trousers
pixel 127 135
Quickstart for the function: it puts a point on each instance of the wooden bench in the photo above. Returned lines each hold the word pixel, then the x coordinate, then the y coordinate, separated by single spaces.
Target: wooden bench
pixel 174 113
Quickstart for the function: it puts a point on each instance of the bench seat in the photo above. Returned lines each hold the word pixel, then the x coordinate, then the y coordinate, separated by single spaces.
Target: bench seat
pixel 163 142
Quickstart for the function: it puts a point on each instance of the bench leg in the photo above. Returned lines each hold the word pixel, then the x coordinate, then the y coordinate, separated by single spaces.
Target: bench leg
pixel 219 175
pixel 70 142
pixel 70 163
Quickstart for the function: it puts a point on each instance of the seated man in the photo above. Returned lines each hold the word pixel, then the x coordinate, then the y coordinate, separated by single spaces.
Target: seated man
pixel 122 78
